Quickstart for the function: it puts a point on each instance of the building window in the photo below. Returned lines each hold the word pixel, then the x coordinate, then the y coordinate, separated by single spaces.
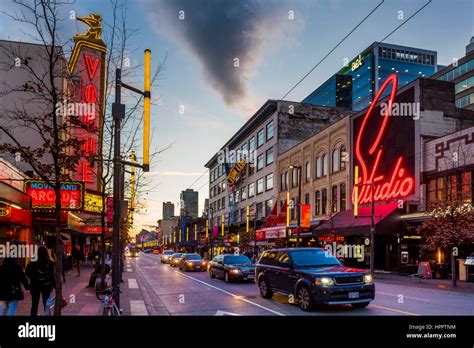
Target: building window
pixel 325 165
pixel 252 150
pixel 306 198
pixel 219 204
pixel 343 197
pixel 260 139
pixel 269 181
pixel 318 170
pixel 295 176
pixel 268 207
pixel 244 153
pixel 343 157
pixel 282 182
pixel 223 203
pixel 317 203
pixel 307 172
pixel 335 161
pixel 251 189
pixel 259 210
pixel 236 196
pixel 324 201
pixel 269 130
pixel 269 156
pixel 334 199
pixel 243 194
pixel 431 191
pixel 260 162
pixel 259 186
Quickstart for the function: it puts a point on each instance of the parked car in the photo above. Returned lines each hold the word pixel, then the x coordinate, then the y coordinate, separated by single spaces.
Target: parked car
pixel 192 262
pixel 166 256
pixel 313 277
pixel 148 251
pixel 231 268
pixel 174 259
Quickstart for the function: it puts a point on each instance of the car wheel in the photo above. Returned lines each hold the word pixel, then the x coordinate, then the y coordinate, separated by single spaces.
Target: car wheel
pixel 360 305
pixel 226 277
pixel 305 299
pixel 265 291
pixel 211 274
pixel 180 268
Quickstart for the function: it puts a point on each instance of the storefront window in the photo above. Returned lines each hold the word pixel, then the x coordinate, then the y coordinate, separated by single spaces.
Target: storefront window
pixel 441 189
pixel 452 186
pixel 466 187
pixel 431 191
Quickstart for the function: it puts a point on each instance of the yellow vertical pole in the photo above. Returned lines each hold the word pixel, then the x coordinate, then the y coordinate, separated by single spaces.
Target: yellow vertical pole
pixel 187 233
pixel 222 222
pixel 207 228
pixel 288 209
pixel 195 232
pixel 146 111
pixel 248 219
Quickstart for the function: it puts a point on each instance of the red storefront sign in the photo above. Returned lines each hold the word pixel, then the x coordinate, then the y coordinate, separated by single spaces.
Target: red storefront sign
pixel 305 215
pixel 16 216
pixel 394 180
pixel 44 197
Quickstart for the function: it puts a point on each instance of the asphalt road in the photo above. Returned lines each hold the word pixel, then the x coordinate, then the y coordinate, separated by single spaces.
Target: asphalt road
pixel 169 291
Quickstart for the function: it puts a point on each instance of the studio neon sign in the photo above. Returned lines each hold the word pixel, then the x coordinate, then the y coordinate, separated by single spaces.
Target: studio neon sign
pixel 373 185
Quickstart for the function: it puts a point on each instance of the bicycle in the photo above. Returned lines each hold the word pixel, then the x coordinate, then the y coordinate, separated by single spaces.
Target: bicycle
pixel 110 307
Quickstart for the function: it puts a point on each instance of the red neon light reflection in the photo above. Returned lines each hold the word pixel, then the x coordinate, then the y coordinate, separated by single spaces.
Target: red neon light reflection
pixel 373 188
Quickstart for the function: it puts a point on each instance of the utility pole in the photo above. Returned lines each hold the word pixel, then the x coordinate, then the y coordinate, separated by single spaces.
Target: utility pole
pixel 118 114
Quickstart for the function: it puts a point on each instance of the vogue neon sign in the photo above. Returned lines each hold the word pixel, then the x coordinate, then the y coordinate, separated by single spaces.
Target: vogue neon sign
pixel 375 186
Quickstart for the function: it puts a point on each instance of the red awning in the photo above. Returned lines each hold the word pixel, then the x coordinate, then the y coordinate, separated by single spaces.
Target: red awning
pixel 344 222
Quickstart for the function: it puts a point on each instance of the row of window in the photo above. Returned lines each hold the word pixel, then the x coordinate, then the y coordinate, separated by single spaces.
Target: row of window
pixel 246 152
pixel 407 56
pixel 262 210
pixel 338 162
pixel 465 101
pixel 457 187
pixel 460 70
pixel 463 85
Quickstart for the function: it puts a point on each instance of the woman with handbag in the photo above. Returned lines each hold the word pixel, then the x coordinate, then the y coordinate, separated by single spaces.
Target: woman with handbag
pixel 11 278
pixel 42 282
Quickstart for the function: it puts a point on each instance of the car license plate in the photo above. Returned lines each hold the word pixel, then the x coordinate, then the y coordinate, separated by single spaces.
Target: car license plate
pixel 354 294
pixel 250 276
pixel 198 267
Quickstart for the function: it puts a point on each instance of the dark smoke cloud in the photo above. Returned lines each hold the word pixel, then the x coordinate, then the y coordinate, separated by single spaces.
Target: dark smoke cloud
pixel 216 32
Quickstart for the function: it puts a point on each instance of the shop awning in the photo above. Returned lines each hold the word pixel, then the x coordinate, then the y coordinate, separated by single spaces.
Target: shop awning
pixel 386 218
pixel 11 196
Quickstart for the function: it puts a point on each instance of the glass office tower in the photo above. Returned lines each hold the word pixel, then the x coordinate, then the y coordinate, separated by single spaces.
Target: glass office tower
pixel 355 85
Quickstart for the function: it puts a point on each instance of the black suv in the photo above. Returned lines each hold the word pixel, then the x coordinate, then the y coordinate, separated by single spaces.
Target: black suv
pixel 313 277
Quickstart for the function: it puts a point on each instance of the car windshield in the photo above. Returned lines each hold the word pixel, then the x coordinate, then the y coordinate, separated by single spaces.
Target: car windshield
pixel 193 257
pixel 177 255
pixel 237 260
pixel 313 258
pixel 168 252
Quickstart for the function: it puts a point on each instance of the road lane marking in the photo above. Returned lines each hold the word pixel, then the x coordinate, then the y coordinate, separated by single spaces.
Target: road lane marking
pixel 132 283
pixel 222 313
pixel 231 294
pixel 137 307
pixel 413 298
pixel 393 310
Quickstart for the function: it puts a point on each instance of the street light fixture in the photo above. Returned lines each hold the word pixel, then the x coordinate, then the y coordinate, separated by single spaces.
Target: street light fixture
pixel 298 211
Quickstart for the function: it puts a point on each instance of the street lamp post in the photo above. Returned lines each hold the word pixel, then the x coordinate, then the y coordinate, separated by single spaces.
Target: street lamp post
pixel 298 210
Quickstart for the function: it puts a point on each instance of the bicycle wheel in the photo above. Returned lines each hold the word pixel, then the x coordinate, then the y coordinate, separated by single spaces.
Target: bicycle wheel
pixel 115 310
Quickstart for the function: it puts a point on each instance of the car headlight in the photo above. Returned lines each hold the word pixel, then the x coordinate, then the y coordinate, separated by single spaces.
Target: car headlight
pixel 189 263
pixel 235 271
pixel 203 263
pixel 368 278
pixel 165 257
pixel 324 281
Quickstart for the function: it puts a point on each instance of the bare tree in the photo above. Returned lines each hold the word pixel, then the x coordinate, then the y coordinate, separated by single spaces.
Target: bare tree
pixel 32 108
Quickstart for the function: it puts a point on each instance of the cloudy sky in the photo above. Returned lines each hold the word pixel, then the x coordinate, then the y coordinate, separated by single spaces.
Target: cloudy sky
pixel 225 58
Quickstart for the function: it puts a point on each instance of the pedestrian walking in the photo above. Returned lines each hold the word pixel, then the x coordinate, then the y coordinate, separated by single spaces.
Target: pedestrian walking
pixel 78 258
pixel 41 276
pixel 11 278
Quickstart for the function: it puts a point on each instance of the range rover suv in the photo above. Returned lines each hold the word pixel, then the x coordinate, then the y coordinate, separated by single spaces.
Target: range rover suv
pixel 313 277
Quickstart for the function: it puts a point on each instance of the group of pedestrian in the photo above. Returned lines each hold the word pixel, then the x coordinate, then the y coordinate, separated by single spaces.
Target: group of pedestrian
pixel 38 279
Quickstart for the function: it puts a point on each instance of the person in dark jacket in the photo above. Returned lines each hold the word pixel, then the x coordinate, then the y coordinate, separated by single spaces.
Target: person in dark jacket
pixel 42 282
pixel 78 258
pixel 11 278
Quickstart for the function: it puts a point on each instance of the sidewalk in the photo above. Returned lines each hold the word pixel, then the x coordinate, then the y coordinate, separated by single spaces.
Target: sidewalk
pixel 437 284
pixel 82 300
